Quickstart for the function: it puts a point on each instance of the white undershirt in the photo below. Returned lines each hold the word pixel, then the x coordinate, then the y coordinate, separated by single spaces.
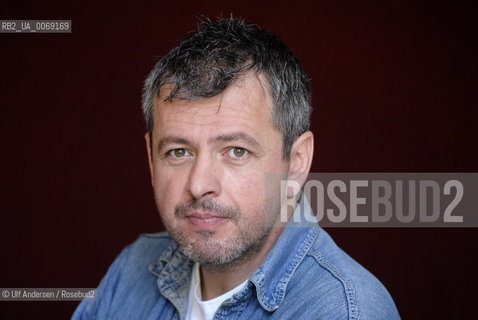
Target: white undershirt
pixel 205 310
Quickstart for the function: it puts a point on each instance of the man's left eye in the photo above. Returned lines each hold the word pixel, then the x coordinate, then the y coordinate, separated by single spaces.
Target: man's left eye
pixel 237 152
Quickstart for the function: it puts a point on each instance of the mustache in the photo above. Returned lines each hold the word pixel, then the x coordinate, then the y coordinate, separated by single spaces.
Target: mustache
pixel 187 208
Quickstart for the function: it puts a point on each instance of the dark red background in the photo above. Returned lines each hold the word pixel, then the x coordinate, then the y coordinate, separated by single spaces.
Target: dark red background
pixel 394 90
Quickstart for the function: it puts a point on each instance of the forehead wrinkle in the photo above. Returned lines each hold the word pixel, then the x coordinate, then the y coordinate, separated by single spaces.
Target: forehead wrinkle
pixel 261 90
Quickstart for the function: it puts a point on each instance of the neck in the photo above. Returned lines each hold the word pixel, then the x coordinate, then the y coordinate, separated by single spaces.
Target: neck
pixel 218 279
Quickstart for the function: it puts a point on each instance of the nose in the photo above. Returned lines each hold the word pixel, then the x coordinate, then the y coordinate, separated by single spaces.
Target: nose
pixel 205 177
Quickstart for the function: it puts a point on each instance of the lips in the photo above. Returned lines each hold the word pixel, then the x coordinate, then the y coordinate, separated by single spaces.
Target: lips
pixel 205 221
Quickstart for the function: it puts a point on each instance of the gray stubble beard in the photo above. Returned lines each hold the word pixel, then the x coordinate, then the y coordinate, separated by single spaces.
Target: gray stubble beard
pixel 224 255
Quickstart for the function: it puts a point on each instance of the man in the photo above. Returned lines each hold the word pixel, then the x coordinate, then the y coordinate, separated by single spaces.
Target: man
pixel 227 112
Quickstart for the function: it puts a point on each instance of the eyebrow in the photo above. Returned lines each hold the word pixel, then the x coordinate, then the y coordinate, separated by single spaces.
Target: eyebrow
pixel 236 137
pixel 172 140
pixel 231 137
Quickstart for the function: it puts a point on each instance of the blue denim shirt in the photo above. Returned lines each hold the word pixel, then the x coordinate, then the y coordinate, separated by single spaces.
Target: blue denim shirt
pixel 305 276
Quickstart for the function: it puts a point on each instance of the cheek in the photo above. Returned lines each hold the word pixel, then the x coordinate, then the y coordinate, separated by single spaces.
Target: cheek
pixel 253 190
pixel 168 188
pixel 247 192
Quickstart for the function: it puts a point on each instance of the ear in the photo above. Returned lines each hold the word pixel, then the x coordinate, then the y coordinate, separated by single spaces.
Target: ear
pixel 150 158
pixel 300 159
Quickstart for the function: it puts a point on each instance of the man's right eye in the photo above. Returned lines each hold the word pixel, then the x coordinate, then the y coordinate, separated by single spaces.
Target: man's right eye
pixel 178 153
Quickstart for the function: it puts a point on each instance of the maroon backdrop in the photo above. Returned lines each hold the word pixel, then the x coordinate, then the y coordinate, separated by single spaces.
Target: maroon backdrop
pixel 394 90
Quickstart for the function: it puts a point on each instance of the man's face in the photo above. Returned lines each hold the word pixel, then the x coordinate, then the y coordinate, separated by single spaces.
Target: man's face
pixel 209 159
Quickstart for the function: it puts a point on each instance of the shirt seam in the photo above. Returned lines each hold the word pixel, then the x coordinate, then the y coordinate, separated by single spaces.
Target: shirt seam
pixel 348 288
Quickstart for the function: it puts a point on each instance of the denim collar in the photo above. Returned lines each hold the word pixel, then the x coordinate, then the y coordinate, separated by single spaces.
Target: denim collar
pixel 173 269
pixel 273 276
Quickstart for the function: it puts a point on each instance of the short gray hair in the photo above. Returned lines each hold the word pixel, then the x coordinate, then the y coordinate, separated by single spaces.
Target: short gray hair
pixel 203 64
